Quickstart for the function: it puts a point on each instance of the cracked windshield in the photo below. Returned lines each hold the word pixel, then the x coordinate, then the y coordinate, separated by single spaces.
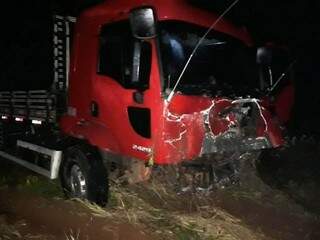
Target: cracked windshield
pixel 221 65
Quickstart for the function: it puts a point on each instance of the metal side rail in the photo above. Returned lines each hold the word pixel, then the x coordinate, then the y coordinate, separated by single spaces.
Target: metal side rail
pixel 55 156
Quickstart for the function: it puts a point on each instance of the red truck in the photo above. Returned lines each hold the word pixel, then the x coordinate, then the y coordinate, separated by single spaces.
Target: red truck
pixel 118 103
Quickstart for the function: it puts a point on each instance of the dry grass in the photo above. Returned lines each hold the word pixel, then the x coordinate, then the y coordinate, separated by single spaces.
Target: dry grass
pixel 9 232
pixel 153 206
pixel 73 235
pixel 19 230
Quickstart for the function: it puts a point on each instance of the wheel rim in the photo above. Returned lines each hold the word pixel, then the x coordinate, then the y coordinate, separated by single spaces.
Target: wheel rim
pixel 77 182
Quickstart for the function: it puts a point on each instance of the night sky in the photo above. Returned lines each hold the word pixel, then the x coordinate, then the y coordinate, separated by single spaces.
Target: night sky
pixel 285 21
pixel 293 24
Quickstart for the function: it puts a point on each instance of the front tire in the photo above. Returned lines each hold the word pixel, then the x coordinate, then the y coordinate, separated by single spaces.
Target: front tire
pixel 83 175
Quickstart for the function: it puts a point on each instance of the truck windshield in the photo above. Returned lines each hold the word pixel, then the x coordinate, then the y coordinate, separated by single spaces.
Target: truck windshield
pixel 222 65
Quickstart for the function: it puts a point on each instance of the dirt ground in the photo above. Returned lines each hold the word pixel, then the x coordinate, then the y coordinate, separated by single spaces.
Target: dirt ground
pixel 281 203
pixel 36 217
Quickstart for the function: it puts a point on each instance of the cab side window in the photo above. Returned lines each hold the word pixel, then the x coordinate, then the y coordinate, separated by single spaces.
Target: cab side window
pixel 124 58
pixel 116 52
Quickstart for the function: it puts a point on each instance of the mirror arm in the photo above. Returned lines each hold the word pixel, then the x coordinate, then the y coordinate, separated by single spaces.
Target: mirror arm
pixel 282 75
pixel 136 62
pixel 270 76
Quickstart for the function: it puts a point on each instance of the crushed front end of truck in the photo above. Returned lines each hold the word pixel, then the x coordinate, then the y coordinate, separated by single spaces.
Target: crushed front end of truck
pixel 195 127
pixel 217 106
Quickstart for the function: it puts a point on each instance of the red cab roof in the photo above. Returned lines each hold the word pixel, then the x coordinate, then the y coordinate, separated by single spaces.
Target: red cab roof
pixel 113 10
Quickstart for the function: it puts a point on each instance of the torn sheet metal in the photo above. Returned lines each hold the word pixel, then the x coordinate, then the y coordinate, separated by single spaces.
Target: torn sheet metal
pixel 196 125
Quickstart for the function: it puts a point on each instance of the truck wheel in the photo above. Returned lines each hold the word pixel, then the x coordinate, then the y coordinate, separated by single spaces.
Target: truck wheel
pixel 84 176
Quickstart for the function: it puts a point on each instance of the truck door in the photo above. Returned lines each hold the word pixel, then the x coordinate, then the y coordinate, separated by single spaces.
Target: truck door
pixel 123 95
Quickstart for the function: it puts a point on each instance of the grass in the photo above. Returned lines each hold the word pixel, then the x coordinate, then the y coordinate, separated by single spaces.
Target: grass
pixel 41 186
pixel 8 232
pixel 19 230
pixel 12 175
pixel 73 235
pixel 186 234
pixel 137 205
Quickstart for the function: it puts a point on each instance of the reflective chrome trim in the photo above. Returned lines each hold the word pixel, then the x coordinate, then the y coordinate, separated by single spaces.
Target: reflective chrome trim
pixel 55 155
pixel 26 164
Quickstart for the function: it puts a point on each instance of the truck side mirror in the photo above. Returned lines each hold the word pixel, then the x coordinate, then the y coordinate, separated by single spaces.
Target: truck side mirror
pixel 141 65
pixel 142 22
pixel 264 56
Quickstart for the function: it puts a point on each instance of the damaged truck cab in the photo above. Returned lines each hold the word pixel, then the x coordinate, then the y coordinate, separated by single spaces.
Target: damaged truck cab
pixel 127 58
pixel 135 97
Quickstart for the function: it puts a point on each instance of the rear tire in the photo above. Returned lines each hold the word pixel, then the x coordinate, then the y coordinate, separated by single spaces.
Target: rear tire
pixel 83 175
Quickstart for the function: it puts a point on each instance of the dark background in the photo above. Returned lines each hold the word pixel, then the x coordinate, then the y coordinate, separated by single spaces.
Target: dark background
pixel 25 38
